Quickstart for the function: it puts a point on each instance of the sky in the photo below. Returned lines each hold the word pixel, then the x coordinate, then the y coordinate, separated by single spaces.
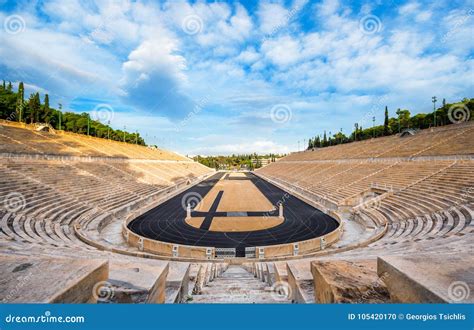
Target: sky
pixel 214 78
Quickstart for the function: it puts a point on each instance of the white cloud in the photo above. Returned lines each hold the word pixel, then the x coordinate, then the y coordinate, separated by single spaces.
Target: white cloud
pixel 154 78
pixel 262 146
pixel 282 51
pixel 272 16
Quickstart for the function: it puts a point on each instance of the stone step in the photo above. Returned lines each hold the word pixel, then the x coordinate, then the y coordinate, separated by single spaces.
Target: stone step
pixel 300 281
pixel 348 281
pixel 177 282
pixel 135 282
pixel 225 298
pixel 237 285
pixel 429 278
pixel 50 280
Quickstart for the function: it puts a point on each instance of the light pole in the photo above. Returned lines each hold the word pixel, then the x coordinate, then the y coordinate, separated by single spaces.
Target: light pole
pixel 124 128
pixel 108 130
pixel 136 137
pixel 433 99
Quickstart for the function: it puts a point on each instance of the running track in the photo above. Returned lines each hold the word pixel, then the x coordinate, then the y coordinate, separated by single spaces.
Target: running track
pixel 166 222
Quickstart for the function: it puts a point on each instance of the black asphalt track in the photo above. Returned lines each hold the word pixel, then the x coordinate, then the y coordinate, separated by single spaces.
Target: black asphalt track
pixel 166 222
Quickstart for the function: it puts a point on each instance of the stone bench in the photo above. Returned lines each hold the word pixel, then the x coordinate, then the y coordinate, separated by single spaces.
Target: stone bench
pixel 135 281
pixel 429 278
pixel 347 281
pixel 49 280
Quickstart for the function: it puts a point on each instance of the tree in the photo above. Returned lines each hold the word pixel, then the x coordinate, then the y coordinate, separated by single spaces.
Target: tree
pixel 318 142
pixel 386 128
pixel 46 110
pixel 325 140
pixel 20 99
pixel 34 107
pixel 9 87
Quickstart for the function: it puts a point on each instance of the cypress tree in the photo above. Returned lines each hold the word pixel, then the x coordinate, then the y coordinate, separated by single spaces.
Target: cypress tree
pixel 386 130
pixel 9 87
pixel 20 101
pixel 38 114
pixel 46 110
pixel 34 108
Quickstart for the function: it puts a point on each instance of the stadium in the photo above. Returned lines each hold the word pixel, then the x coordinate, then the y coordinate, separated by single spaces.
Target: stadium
pixel 280 152
pixel 85 219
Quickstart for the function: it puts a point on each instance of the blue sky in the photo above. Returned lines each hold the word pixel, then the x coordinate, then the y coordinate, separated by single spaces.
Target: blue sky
pixel 232 77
